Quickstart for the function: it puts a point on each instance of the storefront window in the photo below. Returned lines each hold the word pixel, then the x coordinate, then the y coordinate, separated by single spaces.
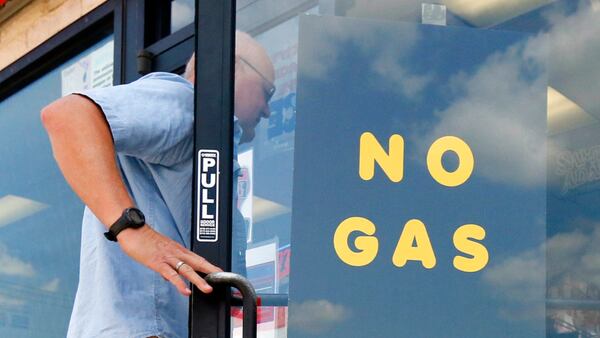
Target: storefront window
pixel 40 216
pixel 518 84
pixel 265 187
pixel 182 14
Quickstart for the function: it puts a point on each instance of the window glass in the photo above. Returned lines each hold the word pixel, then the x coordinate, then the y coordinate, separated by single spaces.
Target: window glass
pixel 542 275
pixel 40 216
pixel 182 14
pixel 265 186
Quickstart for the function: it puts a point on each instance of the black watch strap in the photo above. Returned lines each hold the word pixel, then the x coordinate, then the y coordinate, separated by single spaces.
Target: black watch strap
pixel 130 218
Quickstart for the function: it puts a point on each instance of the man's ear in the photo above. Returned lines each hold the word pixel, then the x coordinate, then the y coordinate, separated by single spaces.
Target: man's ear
pixel 237 65
pixel 237 60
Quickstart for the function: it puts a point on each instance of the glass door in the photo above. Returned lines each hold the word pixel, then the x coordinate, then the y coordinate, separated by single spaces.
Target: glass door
pixel 421 169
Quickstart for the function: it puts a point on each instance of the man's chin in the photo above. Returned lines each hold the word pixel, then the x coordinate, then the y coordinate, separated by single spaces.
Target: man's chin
pixel 247 136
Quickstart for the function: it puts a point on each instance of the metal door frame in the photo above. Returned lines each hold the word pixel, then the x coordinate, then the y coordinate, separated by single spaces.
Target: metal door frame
pixel 214 38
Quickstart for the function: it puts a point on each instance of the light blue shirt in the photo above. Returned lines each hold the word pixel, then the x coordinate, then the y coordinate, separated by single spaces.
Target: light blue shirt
pixel 152 123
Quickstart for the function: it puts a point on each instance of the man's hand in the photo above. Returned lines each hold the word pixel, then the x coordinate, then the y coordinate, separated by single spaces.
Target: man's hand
pixel 161 254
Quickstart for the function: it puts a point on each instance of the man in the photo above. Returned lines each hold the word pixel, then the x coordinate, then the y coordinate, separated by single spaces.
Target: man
pixel 127 152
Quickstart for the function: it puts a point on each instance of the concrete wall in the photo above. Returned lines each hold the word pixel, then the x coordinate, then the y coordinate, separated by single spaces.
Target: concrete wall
pixel 36 23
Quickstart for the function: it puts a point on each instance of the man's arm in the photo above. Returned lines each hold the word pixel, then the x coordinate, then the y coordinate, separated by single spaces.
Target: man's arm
pixel 83 148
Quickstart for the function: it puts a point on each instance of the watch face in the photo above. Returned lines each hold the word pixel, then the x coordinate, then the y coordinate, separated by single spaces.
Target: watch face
pixel 136 216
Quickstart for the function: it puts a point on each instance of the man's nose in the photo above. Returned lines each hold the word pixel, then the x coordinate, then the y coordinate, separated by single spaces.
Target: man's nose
pixel 266 112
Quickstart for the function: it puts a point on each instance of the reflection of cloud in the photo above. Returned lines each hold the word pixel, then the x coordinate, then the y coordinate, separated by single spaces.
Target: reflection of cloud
pixel 520 277
pixel 575 254
pixel 7 301
pixel 51 286
pixel 520 283
pixel 575 51
pixel 14 208
pixel 317 316
pixel 340 38
pixel 520 280
pixel 501 115
pixel 387 65
pixel 13 266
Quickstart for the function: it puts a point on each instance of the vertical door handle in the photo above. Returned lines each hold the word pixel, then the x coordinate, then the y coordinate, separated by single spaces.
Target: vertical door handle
pixel 248 297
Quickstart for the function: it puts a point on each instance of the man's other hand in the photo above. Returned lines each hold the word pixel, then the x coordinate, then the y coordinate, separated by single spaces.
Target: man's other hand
pixel 161 254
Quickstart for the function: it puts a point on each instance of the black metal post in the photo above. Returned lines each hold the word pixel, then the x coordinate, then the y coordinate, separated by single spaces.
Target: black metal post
pixel 211 238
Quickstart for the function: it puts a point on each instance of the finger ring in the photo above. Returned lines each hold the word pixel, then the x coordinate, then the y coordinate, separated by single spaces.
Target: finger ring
pixel 179 265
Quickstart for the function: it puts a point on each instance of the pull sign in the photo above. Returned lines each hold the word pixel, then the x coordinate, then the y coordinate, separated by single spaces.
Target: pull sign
pixel 207 212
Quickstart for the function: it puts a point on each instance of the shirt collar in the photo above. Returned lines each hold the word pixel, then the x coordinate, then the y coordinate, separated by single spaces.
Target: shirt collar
pixel 237 131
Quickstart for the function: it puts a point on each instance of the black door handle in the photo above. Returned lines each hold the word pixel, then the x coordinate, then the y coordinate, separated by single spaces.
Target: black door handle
pixel 248 297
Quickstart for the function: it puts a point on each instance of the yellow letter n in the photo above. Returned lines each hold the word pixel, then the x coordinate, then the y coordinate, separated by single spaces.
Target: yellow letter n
pixel 391 162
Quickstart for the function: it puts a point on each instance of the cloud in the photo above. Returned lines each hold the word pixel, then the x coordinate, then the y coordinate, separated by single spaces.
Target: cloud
pixel 387 62
pixel 500 110
pixel 575 50
pixel 51 286
pixel 317 316
pixel 519 282
pixel 520 277
pixel 14 208
pixel 10 302
pixel 13 266
pixel 393 75
pixel 501 114
pixel 574 254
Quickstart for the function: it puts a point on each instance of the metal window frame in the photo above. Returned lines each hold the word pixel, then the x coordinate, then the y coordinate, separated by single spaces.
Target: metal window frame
pixel 135 24
pixel 61 47
pixel 172 52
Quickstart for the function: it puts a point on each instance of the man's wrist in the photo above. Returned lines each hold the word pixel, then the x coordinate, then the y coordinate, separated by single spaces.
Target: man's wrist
pixel 126 234
pixel 130 218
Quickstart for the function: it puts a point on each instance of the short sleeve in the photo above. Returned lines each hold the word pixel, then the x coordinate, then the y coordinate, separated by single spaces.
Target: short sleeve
pixel 151 119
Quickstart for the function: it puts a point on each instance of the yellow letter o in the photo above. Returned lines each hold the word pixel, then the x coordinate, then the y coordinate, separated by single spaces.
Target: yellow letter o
pixel 466 161
pixel 368 245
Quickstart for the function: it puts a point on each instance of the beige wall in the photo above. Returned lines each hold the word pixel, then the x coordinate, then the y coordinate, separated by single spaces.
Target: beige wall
pixel 36 23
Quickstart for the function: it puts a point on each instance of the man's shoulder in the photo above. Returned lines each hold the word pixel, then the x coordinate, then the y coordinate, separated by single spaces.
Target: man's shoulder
pixel 163 78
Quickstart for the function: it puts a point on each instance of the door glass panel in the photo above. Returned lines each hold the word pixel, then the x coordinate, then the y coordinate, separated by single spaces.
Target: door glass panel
pixel 265 186
pixel 518 84
pixel 182 14
pixel 40 216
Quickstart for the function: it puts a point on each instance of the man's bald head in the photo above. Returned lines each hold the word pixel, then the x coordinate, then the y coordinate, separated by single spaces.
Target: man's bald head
pixel 254 77
pixel 249 49
pixel 245 47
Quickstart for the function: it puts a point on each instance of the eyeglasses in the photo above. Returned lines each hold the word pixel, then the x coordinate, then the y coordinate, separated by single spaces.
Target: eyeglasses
pixel 270 89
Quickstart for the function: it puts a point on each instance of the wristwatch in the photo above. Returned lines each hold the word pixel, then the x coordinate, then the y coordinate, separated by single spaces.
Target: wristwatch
pixel 131 218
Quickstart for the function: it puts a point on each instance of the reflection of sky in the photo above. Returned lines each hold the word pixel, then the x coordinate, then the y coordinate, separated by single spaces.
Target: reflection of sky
pixel 39 254
pixel 387 78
